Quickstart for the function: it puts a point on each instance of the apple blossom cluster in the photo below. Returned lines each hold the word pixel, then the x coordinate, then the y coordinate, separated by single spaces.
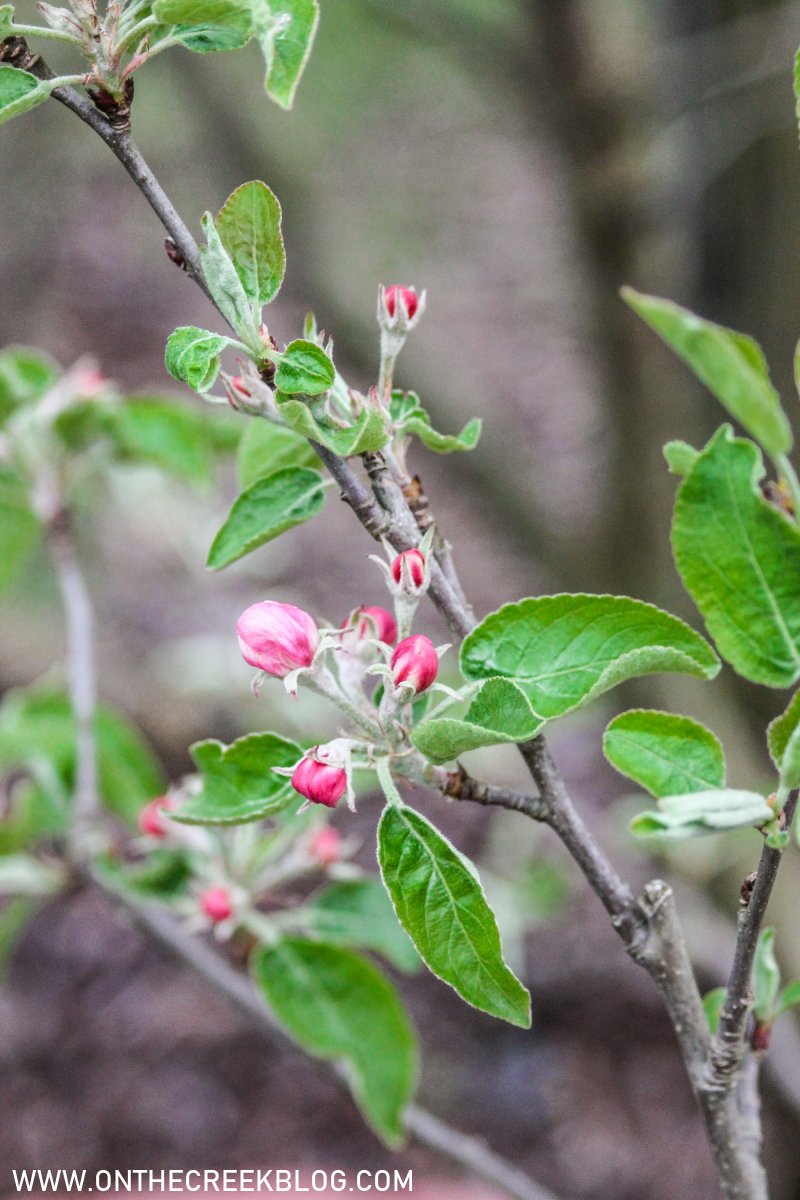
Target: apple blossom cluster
pixel 342 664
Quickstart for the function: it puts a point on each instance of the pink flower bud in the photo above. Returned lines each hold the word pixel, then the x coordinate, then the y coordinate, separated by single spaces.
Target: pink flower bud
pixel 371 621
pixel 151 820
pixel 415 661
pixel 216 903
pixel 318 782
pixel 415 562
pixel 325 846
pixel 239 384
pixel 407 296
pixel 277 638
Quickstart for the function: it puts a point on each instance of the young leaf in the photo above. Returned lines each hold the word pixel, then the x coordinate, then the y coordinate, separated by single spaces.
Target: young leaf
pixel 20 530
pixel 712 1006
pixel 666 754
pixel 694 813
pixel 227 289
pixel 440 903
pixel 166 434
pixel 359 913
pixel 499 713
pixel 766 978
pixel 265 448
pixel 565 650
pixel 25 375
pixel 304 369
pixel 442 443
pixel 780 731
pixel 265 510
pixel 249 226
pixel 206 38
pixel 789 997
pixel 239 783
pixel 285 29
pixel 730 364
pixel 21 91
pixel 338 1006
pixel 368 432
pixel 193 356
pixel 680 457
pixel 231 13
pixel 739 558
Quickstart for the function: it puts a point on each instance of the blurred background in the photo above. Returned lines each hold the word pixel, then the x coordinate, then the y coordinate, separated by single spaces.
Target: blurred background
pixel 521 161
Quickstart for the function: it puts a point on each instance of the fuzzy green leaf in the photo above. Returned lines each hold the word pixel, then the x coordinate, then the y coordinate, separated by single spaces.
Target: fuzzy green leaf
pixel 20 91
pixel 339 1007
pixel 739 558
pixel 227 289
pixel 20 529
pixel 443 443
pixel 165 434
pixel 359 913
pixel 226 13
pixel 239 783
pixel 25 375
pixel 265 448
pixel 249 226
pixel 285 30
pixel 193 356
pixel 712 1006
pixel 499 713
pixel 695 813
pixel 565 650
pixel 440 903
pixel 265 510
pixel 730 364
pixel 680 457
pixel 368 432
pixel 304 369
pixel 782 730
pixel 766 978
pixel 668 755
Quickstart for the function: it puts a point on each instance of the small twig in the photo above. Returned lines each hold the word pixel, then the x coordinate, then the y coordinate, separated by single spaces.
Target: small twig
pixel 79 618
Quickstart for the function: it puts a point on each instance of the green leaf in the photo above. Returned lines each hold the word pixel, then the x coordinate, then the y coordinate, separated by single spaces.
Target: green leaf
pixel 499 713
pixel 443 443
pixel 167 435
pixel 680 457
pixel 304 369
pixel 565 650
pixel 249 226
pixel 37 726
pixel 265 510
pixel 781 730
pixel 227 289
pixel 359 913
pixel 666 754
pixel 20 531
pixel 207 39
pixel 789 997
pixel 440 903
pixel 339 1007
pixel 766 978
pixel 193 356
pixel 694 813
pixel 6 20
pixel 239 783
pixel 21 91
pixel 25 375
pixel 712 1006
pixel 285 29
pixel 164 873
pixel 368 432
pixel 266 447
pixel 739 558
pixel 227 13
pixel 730 364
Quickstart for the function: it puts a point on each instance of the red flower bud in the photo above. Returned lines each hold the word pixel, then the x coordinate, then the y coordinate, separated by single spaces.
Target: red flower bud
pixel 318 782
pixel 407 296
pixel 371 621
pixel 325 846
pixel 277 638
pixel 415 562
pixel 239 384
pixel 415 661
pixel 151 820
pixel 216 903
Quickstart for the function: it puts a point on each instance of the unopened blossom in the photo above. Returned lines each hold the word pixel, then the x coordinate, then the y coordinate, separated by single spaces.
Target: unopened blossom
pixel 277 638
pixel 325 846
pixel 217 904
pixel 415 662
pixel 372 621
pixel 319 782
pixel 414 563
pixel 151 819
pixel 407 297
